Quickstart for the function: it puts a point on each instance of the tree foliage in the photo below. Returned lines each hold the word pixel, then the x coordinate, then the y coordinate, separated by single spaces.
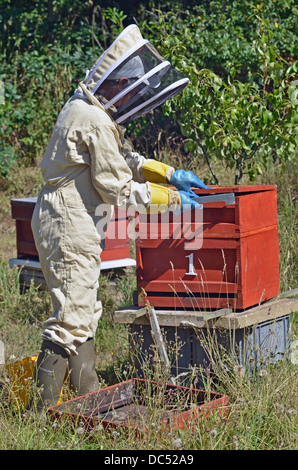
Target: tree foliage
pixel 241 104
pixel 244 116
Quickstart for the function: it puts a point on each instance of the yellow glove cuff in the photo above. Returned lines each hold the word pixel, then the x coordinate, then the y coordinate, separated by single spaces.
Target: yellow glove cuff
pixel 162 199
pixel 157 172
pixel 160 194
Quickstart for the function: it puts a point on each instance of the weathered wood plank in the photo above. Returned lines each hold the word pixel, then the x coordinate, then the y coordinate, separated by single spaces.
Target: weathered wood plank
pixel 268 311
pixel 220 319
pixel 181 318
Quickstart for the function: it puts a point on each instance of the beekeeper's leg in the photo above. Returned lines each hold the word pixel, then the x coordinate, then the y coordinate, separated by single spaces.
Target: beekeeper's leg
pixel 83 377
pixel 49 374
pixel 71 274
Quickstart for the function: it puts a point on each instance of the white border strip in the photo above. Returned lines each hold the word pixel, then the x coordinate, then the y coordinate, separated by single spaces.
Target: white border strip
pixel 111 264
pixel 138 108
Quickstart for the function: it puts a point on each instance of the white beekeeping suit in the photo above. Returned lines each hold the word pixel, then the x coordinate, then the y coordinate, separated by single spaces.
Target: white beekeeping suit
pixel 87 164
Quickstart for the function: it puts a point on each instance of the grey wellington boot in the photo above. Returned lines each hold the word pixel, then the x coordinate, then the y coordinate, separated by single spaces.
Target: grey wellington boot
pixel 83 377
pixel 49 374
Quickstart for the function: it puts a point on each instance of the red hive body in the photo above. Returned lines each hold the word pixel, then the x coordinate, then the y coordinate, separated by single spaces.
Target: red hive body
pixel 117 247
pixel 117 241
pixel 237 265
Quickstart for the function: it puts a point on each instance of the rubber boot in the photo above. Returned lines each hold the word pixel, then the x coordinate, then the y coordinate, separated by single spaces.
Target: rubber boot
pixel 49 374
pixel 83 377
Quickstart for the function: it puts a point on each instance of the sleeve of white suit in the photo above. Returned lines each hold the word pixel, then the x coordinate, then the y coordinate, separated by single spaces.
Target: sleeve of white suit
pixel 134 160
pixel 111 175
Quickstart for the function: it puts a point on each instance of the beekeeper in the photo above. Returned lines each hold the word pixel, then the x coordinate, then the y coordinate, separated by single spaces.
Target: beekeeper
pixel 88 164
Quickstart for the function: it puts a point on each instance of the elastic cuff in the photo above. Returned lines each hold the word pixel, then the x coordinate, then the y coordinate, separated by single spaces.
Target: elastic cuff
pixel 169 174
pixel 174 200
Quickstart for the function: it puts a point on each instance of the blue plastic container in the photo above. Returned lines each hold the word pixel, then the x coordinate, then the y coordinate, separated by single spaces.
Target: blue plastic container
pixel 252 347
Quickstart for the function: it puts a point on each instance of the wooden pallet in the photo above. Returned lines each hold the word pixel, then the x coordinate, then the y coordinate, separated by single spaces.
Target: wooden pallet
pixel 283 305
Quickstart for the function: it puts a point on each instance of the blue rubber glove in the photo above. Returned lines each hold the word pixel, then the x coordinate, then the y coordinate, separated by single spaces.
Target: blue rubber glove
pixel 187 198
pixel 184 180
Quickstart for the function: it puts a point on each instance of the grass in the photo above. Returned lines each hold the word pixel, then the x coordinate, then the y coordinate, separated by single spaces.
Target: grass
pixel 263 404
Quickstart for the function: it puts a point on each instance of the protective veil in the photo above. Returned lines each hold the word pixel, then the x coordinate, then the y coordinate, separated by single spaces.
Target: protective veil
pixel 88 165
pixel 151 80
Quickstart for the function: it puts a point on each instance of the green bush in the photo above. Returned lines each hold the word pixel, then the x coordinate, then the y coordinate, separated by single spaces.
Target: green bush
pixel 241 105
pixel 245 124
pixel 8 160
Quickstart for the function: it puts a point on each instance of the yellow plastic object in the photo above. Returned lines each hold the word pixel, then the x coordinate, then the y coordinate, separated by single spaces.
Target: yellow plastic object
pixel 157 172
pixel 20 377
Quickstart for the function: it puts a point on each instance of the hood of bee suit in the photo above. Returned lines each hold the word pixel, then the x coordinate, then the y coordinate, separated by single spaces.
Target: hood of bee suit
pixel 151 79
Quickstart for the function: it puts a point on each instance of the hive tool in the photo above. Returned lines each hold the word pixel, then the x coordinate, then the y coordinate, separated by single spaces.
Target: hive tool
pixel 228 198
pixel 156 333
pixel 157 336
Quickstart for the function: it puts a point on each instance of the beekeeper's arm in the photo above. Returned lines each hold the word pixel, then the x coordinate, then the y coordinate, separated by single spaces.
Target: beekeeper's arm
pixel 159 172
pixel 156 172
pixel 144 169
pixel 113 179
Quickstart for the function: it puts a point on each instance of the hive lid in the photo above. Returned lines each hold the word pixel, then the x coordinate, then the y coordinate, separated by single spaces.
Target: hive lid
pixel 223 188
pixel 24 200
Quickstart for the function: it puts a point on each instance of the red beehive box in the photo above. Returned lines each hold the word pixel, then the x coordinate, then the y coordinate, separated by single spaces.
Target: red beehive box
pixel 117 241
pixel 236 266
pixel 22 210
pixel 131 404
